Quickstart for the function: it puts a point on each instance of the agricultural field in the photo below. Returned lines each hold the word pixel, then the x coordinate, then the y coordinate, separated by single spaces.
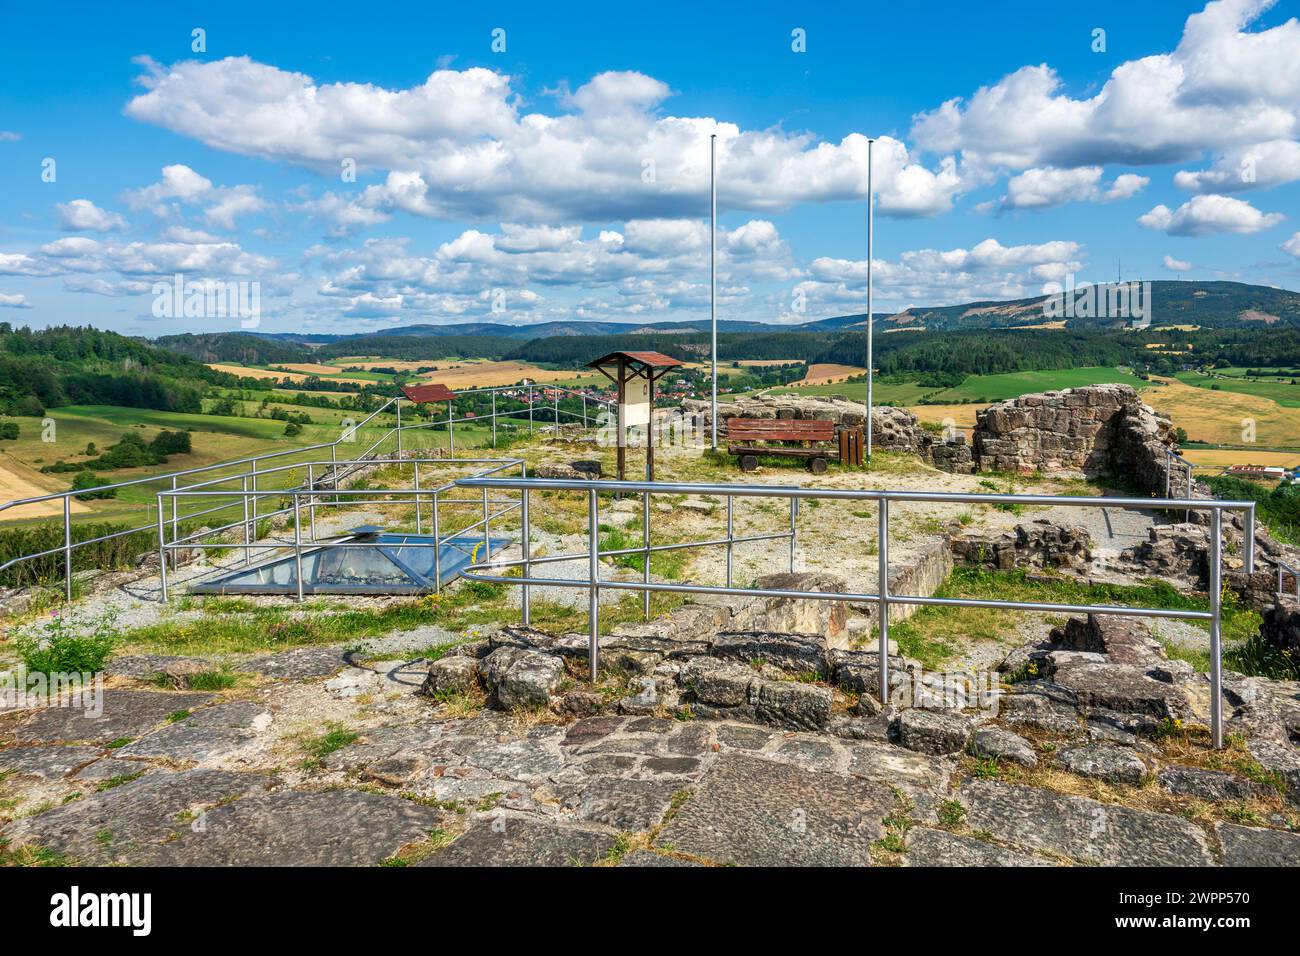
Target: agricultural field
pixel 1223 417
pixel 1213 460
pixel 828 374
pixel 214 438
pixel 455 374
pixel 1283 390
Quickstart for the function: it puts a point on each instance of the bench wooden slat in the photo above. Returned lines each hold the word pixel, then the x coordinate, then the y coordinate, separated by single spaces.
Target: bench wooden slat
pixel 767 429
pixel 830 453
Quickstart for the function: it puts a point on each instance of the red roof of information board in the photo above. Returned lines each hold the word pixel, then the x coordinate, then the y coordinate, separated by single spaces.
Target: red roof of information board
pixel 657 359
pixel 436 392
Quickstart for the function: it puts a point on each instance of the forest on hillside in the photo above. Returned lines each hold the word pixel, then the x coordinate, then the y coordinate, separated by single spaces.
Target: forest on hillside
pixel 85 366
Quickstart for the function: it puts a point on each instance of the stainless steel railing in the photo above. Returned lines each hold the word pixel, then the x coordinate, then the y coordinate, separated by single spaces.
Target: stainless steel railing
pixel 883 598
pixel 337 466
pixel 1283 567
pixel 309 498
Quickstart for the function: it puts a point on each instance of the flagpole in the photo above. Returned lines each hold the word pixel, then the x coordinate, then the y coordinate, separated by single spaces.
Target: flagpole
pixel 871 204
pixel 713 277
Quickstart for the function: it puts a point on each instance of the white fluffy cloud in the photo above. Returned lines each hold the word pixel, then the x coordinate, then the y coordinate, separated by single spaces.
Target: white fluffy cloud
pixel 936 276
pixel 182 185
pixel 1209 215
pixel 1222 87
pixel 649 266
pixel 1177 265
pixel 458 146
pixel 1049 186
pixel 1292 246
pixel 1249 167
pixel 82 215
pixel 14 300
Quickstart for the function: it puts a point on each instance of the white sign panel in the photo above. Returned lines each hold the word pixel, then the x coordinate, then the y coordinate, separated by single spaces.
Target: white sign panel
pixel 636 403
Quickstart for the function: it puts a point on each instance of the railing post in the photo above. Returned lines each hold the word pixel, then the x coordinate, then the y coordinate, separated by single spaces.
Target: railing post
pixel 494 419
pixel 794 513
pixel 253 475
pixel 437 547
pixel 311 499
pixel 1216 635
pixel 731 542
pixel 417 497
pixel 247 524
pixel 882 588
pixel 174 534
pixel 297 542
pixel 645 543
pixel 593 572
pixel 487 528
pixel 525 533
pixel 67 548
pixel 399 428
pixel 162 553
pixel 530 410
pixel 555 405
pixel 451 430
pixel 1248 528
pixel 584 411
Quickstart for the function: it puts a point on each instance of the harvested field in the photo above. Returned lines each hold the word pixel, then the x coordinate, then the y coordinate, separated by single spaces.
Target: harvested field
pixel 1222 417
pixel 263 373
pixel 828 374
pixel 19 481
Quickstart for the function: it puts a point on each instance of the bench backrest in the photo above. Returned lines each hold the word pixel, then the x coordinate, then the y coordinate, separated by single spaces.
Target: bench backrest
pixel 779 429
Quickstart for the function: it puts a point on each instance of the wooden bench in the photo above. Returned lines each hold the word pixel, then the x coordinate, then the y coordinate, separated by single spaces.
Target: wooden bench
pixel 742 433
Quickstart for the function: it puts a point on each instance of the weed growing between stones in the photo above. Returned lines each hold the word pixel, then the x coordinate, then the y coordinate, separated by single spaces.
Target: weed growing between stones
pixel 318 748
pixel 68 644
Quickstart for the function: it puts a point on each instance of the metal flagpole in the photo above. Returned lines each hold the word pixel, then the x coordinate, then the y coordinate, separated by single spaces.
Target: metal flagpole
pixel 713 277
pixel 871 204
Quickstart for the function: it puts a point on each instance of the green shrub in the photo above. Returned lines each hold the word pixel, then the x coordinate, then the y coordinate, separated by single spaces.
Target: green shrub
pixel 88 479
pixel 68 644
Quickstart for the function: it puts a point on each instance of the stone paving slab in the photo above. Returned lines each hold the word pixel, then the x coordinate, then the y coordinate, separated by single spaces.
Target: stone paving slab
pixel 754 812
pixel 127 714
pixel 622 803
pixel 46 762
pixel 110 768
pixel 144 666
pixel 121 825
pixel 1252 846
pixel 926 847
pixel 519 841
pixel 296 828
pixel 1086 830
pixel 207 733
pixel 302 663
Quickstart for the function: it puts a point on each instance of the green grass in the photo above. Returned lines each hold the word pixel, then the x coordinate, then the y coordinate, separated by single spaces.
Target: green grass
pixel 994 388
pixel 1278 390
pixel 318 748
pixel 933 635
pixel 664 564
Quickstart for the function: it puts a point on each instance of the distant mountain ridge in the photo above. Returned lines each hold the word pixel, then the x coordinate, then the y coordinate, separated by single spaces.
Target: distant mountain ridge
pixel 1175 302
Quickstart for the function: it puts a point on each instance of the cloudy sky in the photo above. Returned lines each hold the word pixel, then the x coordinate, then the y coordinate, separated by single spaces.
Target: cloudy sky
pixel 374 167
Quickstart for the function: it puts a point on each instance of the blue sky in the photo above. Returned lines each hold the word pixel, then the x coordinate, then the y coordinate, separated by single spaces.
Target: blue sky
pixel 567 176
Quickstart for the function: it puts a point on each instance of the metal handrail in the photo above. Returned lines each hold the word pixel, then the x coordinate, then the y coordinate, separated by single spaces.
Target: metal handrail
pixel 882 597
pixel 69 546
pixel 341 497
pixel 1295 576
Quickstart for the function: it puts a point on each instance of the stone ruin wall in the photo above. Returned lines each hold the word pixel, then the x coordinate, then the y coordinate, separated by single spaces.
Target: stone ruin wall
pixel 1096 429
pixel 1100 430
